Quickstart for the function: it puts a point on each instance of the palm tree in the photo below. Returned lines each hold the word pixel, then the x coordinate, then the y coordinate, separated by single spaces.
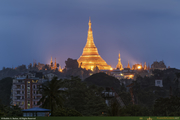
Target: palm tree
pixel 52 94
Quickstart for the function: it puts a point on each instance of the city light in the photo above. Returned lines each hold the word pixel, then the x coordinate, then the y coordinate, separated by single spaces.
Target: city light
pixel 139 67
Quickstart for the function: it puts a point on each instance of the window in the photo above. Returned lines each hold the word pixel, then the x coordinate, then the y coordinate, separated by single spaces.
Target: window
pixel 28 91
pixel 28 95
pixel 34 92
pixel 38 97
pixel 18 87
pixel 18 92
pixel 22 97
pixel 158 82
pixel 22 92
pixel 38 92
pixel 34 86
pixel 19 81
pixel 28 105
pixel 34 103
pixel 23 102
pixel 18 97
pixel 22 86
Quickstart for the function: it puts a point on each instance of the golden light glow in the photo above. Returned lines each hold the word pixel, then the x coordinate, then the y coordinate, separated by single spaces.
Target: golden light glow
pixel 90 57
pixel 131 76
pixel 139 67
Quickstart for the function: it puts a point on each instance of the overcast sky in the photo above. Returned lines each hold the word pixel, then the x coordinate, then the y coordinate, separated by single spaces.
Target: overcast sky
pixel 142 30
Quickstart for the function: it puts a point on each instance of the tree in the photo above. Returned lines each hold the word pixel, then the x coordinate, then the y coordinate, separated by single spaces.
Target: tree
pixel 66 112
pixel 52 95
pixel 10 111
pixel 5 90
pixel 70 63
pixel 134 110
pixel 167 106
pixel 114 108
pixel 85 99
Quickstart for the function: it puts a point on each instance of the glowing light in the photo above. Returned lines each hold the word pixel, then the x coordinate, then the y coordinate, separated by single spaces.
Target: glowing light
pixel 139 67
pixel 92 68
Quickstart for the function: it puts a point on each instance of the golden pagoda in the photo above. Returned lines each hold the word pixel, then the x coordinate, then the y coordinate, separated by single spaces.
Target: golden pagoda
pixel 145 66
pixel 128 66
pixel 90 57
pixel 119 65
pixel 53 66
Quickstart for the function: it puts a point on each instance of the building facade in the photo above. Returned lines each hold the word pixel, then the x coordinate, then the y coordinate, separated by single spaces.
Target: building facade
pixel 25 92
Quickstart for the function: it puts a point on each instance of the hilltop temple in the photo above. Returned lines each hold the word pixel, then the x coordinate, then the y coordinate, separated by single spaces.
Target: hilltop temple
pixel 90 57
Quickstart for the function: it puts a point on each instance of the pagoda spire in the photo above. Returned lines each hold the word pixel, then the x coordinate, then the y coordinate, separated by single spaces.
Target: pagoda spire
pixel 119 65
pixel 128 66
pixel 145 66
pixel 51 59
pixel 55 65
pixel 90 47
pixel 89 23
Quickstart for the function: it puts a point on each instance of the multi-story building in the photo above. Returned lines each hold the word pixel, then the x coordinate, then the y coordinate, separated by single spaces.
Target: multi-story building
pixel 25 92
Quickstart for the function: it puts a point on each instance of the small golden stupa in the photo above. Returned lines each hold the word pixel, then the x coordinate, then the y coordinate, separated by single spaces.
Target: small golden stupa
pixel 119 65
pixel 90 57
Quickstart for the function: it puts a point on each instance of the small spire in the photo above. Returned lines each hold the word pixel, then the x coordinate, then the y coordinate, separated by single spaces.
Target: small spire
pixel 51 59
pixel 119 65
pixel 89 23
pixel 128 66
pixel 55 65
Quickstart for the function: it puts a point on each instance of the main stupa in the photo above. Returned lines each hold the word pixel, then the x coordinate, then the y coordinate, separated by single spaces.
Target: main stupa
pixel 90 57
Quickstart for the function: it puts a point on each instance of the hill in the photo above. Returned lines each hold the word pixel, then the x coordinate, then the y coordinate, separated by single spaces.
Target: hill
pixel 103 80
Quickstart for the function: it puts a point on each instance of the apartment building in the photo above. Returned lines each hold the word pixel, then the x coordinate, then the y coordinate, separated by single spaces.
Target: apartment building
pixel 25 91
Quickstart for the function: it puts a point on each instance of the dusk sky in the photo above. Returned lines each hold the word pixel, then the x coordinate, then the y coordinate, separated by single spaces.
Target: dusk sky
pixel 142 30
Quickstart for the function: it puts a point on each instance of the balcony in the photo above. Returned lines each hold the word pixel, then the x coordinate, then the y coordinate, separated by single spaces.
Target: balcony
pixel 18 94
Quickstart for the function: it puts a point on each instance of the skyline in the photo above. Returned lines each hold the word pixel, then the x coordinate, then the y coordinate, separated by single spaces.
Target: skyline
pixel 141 31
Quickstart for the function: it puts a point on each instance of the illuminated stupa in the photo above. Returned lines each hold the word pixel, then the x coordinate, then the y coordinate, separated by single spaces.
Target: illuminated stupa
pixel 119 65
pixel 90 57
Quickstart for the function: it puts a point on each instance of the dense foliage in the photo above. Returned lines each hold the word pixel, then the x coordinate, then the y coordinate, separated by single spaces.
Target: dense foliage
pixel 5 90
pixel 86 100
pixel 10 111
pixel 52 95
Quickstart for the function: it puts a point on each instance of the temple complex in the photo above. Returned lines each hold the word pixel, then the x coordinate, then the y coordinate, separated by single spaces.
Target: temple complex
pixel 55 65
pixel 119 65
pixel 90 57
